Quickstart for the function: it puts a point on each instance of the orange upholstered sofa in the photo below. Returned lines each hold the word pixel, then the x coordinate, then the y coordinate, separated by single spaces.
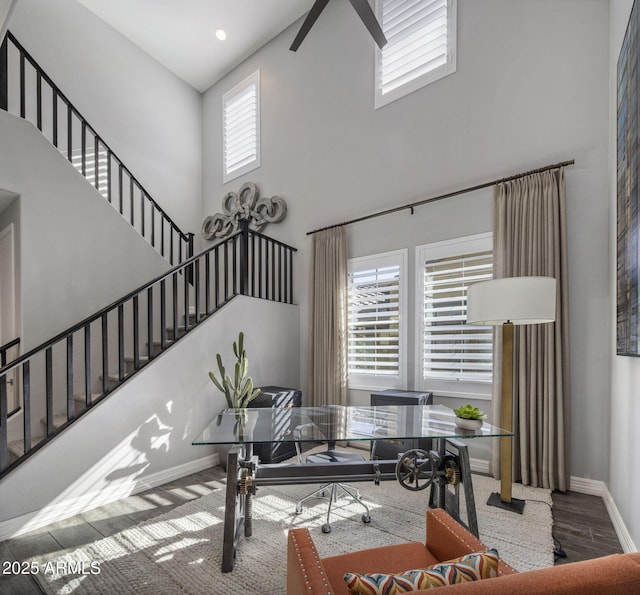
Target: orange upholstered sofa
pixel 446 539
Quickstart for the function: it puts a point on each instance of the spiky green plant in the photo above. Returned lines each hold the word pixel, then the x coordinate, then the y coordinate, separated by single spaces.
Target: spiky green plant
pixel 239 391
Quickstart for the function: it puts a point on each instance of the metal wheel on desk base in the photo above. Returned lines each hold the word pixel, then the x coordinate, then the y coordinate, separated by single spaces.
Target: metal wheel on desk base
pixel 416 469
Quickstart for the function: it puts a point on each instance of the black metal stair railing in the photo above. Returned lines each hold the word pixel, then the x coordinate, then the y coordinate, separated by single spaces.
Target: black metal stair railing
pixel 65 377
pixel 7 354
pixel 26 90
pixel 6 348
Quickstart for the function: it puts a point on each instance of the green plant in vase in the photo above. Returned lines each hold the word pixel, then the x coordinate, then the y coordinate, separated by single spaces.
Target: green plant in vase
pixel 469 417
pixel 239 390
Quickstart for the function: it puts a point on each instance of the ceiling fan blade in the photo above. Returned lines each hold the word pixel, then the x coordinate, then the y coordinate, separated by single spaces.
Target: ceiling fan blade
pixel 313 15
pixel 365 12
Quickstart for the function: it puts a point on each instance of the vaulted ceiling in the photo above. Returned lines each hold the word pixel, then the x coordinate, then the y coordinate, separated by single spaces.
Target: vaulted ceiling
pixel 181 34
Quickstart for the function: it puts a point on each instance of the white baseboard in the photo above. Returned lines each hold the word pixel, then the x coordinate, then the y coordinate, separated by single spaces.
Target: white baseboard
pixel 599 488
pixel 479 466
pixel 69 507
pixel 590 487
pixel 624 537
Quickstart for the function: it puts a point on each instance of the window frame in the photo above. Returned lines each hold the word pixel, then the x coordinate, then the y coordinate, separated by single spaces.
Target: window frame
pixel 381 99
pixel 252 79
pixel 481 390
pixel 374 381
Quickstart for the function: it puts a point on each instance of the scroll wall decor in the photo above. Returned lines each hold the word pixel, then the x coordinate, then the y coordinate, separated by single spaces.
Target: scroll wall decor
pixel 628 217
pixel 245 204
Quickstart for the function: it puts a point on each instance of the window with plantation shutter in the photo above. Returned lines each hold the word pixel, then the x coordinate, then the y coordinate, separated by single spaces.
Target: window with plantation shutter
pixel 455 358
pixel 420 49
pixel 376 320
pixel 241 128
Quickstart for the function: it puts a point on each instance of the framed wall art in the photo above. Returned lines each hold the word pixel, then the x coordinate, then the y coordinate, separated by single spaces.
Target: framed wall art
pixel 628 220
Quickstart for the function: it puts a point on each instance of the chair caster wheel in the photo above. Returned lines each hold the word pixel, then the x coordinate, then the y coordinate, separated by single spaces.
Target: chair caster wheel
pixel 326 528
pixel 366 519
pixel 298 509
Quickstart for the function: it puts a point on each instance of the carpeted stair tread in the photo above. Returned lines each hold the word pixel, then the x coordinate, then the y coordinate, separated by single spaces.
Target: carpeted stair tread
pixel 16 447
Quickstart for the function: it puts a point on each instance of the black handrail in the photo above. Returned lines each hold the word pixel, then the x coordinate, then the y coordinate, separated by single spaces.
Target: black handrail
pixel 123 173
pixel 170 305
pixel 114 305
pixel 4 348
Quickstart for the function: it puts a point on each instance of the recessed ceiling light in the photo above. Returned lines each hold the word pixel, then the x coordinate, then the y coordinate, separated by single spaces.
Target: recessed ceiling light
pixel 221 34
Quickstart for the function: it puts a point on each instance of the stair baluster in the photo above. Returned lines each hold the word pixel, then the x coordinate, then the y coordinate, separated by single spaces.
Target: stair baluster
pixel 93 158
pixel 48 374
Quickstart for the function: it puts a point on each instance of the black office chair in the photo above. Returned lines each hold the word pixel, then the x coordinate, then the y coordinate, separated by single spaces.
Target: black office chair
pixel 330 490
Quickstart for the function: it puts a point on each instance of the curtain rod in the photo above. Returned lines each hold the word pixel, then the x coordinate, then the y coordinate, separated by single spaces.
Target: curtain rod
pixel 412 205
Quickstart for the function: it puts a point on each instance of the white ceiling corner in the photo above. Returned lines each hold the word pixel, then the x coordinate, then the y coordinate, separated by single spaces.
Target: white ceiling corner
pixel 180 34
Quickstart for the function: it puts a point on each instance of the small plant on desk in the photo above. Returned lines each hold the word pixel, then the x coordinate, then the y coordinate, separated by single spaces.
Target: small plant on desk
pixel 469 417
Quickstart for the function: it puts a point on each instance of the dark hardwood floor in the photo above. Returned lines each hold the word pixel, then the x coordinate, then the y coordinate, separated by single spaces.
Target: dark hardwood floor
pixel 581 526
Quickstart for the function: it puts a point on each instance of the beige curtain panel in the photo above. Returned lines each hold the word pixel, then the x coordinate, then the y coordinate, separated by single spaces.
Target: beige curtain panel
pixel 530 239
pixel 328 365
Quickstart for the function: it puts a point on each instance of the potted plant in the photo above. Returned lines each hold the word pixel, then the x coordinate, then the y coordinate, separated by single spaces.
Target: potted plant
pixel 239 391
pixel 469 417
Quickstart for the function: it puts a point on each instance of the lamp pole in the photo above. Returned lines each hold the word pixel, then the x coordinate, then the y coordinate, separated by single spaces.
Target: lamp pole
pixel 506 412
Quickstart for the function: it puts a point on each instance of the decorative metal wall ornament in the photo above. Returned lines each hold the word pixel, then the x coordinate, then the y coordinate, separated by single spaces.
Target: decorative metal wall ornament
pixel 243 205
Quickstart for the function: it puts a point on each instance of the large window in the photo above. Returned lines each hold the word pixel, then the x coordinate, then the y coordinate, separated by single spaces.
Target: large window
pixel 455 358
pixel 377 306
pixel 241 128
pixel 420 49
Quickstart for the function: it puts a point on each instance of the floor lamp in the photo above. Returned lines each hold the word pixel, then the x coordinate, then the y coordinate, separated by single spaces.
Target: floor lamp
pixel 505 302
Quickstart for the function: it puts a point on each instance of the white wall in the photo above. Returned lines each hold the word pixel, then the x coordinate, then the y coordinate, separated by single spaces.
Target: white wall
pixel 530 90
pixel 144 430
pixel 6 6
pixel 76 253
pixel 624 479
pixel 10 215
pixel 149 117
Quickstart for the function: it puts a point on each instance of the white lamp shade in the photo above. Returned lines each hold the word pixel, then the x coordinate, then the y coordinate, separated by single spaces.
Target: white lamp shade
pixel 519 300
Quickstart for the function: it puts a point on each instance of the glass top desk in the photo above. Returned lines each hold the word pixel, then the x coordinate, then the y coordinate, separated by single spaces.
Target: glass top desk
pixel 443 467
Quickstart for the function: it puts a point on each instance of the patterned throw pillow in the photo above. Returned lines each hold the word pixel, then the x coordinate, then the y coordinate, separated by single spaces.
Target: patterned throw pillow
pixel 468 568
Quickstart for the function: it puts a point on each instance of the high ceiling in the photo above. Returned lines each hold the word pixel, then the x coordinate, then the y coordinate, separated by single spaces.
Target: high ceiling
pixel 181 34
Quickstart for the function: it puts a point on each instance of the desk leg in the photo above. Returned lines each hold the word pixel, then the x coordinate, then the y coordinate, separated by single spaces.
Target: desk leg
pixel 441 484
pixel 440 495
pixel 232 521
pixel 241 467
pixel 465 473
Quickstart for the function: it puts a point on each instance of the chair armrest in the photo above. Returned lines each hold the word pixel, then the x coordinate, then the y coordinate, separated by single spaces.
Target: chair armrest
pixel 617 574
pixel 305 571
pixel 447 539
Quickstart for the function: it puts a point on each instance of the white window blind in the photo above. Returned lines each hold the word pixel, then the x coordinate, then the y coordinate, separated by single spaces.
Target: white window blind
pixel 420 49
pixel 241 126
pixel 454 357
pixel 376 319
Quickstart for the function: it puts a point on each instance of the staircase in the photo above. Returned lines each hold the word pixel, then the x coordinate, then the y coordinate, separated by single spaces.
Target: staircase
pixel 28 92
pixel 58 382
pixel 64 378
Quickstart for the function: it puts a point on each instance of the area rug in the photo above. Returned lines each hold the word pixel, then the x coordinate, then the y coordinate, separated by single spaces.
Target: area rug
pixel 181 551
